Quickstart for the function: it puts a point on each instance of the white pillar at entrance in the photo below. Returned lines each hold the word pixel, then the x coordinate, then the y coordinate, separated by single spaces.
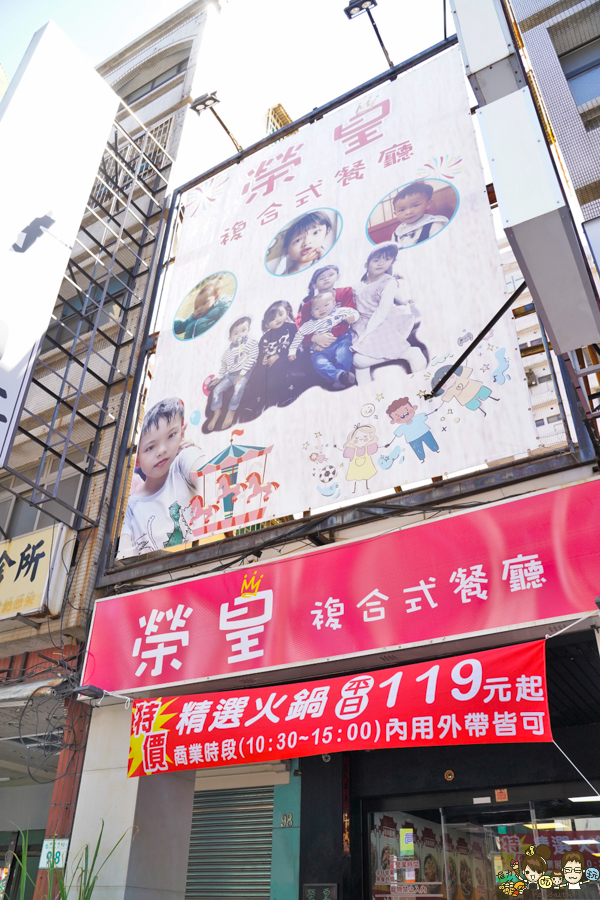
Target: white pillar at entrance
pixel 154 813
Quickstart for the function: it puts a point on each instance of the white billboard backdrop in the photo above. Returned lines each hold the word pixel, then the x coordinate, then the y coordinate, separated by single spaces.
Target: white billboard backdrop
pixel 319 289
pixel 55 119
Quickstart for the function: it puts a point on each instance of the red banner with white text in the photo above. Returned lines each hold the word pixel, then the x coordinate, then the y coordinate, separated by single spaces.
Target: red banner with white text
pixel 497 696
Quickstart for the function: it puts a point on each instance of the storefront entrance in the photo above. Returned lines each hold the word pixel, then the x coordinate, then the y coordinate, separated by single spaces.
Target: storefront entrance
pixel 457 851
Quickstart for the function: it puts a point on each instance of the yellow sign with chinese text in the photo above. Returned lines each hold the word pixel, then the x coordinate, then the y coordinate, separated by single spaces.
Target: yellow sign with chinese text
pixel 24 568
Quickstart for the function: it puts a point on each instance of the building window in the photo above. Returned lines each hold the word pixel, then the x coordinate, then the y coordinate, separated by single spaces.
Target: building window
pixel 552 419
pixel 277 118
pixel 155 82
pixel 582 71
pixel 539 423
pixel 77 317
pixel 18 517
pixel 536 342
pixel 544 378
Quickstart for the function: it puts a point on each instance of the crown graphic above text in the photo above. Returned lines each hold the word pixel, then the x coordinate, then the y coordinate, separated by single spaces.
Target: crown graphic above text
pixel 250 586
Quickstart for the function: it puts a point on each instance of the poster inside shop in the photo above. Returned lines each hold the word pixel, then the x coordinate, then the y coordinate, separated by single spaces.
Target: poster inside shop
pixel 321 289
pixel 412 855
pixel 496 696
pixel 468 860
pixel 562 855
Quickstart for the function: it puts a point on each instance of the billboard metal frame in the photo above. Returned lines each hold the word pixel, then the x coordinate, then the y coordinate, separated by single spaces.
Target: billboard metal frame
pixel 319 529
pixel 97 319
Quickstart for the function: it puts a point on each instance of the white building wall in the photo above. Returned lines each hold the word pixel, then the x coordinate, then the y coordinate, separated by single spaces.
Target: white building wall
pixel 150 818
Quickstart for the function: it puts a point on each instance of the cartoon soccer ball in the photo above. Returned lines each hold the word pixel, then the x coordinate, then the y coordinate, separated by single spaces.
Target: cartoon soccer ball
pixel 327 474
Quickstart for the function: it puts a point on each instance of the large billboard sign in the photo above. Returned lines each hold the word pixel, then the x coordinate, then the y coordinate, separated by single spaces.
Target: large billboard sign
pixel 55 119
pixel 494 697
pixel 320 290
pixel 507 566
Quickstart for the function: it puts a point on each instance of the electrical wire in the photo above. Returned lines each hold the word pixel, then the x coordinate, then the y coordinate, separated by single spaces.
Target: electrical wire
pixel 58 716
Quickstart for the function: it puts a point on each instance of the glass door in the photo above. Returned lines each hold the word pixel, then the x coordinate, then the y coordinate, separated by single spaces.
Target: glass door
pixel 461 852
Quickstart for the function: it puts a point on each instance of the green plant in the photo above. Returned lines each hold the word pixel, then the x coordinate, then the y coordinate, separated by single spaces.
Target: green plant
pixel 82 880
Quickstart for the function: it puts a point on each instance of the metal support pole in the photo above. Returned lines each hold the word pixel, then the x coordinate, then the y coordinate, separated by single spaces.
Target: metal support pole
pixel 533 822
pixel 444 859
pixel 379 38
pixel 555 385
pixel 474 343
pixel 586 447
pixel 445 23
pixel 237 145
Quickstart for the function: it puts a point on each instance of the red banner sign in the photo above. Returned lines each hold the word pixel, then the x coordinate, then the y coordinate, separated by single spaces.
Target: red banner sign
pixel 498 696
pixel 512 563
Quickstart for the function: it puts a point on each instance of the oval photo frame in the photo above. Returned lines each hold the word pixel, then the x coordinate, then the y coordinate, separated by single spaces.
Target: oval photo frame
pixel 204 305
pixel 321 227
pixel 438 199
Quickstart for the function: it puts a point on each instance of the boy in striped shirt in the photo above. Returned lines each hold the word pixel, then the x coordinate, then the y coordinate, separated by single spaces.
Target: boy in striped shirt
pixel 236 364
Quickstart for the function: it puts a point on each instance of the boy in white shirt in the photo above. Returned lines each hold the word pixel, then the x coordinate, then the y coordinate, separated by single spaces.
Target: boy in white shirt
pixel 152 519
pixel 411 208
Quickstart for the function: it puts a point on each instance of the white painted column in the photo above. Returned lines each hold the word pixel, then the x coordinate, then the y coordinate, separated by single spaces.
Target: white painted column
pixel 154 813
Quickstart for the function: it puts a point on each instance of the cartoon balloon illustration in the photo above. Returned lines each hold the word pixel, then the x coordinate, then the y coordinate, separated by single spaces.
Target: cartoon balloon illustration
pixel 367 410
pixel 545 881
pixel 592 874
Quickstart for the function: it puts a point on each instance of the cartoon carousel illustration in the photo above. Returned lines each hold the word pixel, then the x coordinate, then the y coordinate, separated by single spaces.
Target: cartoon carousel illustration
pixel 237 480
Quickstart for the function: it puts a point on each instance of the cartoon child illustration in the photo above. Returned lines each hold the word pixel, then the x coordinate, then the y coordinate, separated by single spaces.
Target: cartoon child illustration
pixel 412 427
pixel 468 392
pixel 388 319
pixel 510 882
pixel 236 364
pixel 335 361
pixel 509 886
pixel 152 518
pixel 557 879
pixel 209 306
pixel 534 865
pixel 360 446
pixel 304 242
pixel 573 867
pixel 411 208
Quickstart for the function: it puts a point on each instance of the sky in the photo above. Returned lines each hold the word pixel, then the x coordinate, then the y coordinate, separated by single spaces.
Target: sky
pixel 300 53
pixel 255 54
